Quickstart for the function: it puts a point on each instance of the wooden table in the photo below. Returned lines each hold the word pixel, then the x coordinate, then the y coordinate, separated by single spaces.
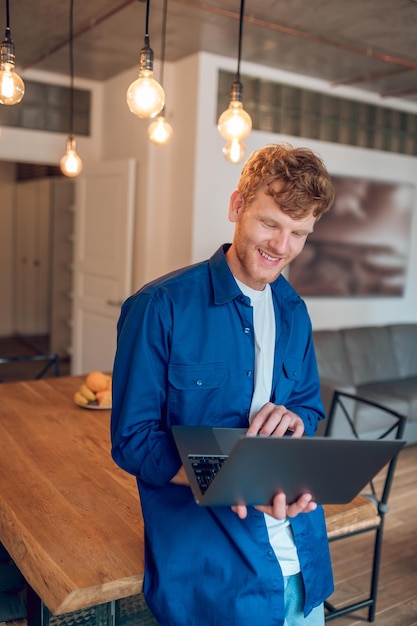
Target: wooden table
pixel 69 517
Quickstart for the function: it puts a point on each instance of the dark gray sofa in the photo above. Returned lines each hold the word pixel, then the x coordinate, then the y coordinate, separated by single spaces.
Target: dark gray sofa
pixel 376 362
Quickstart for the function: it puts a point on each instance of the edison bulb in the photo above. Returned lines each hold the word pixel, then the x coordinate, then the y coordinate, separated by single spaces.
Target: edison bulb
pixel 235 122
pixel 234 151
pixel 145 96
pixel 71 164
pixel 160 131
pixel 12 87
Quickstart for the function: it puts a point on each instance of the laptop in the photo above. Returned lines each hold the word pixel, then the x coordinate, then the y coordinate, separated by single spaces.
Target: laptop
pixel 225 467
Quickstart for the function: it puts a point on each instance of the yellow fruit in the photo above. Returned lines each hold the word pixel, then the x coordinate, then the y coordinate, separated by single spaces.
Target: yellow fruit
pixel 80 399
pixel 97 381
pixel 87 393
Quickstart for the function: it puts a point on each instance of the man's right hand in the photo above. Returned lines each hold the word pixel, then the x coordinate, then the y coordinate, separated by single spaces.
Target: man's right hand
pixel 180 477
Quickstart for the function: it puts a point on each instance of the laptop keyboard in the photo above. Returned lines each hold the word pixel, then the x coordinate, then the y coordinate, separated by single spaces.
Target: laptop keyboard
pixel 206 468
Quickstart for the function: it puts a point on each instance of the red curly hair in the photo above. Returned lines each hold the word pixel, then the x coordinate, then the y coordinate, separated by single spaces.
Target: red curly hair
pixel 304 188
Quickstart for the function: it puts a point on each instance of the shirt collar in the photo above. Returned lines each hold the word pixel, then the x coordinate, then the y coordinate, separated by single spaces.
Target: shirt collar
pixel 225 287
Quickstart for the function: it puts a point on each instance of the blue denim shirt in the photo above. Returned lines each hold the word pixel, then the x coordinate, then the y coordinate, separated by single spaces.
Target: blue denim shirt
pixel 185 355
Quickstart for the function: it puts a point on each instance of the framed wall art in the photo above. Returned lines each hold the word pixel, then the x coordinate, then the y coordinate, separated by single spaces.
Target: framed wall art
pixel 361 246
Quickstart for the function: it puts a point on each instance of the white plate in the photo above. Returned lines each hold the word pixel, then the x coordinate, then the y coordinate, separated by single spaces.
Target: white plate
pixel 94 406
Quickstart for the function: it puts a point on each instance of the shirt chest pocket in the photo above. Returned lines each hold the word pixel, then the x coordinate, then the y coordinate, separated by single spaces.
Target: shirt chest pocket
pixel 291 374
pixel 196 392
pixel 293 368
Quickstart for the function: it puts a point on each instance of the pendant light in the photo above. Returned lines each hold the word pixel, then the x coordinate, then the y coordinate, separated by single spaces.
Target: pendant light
pixel 235 123
pixel 234 151
pixel 160 131
pixel 71 164
pixel 145 96
pixel 12 88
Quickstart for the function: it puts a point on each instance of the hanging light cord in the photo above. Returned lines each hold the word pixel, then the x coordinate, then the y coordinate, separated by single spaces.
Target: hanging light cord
pixel 164 26
pixel 147 24
pixel 7 17
pixel 71 67
pixel 242 13
pixel 7 34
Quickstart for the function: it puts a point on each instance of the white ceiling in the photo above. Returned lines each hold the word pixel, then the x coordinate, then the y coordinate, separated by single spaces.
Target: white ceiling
pixel 370 44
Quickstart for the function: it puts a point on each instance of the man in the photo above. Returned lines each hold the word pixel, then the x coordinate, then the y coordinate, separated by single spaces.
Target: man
pixel 228 342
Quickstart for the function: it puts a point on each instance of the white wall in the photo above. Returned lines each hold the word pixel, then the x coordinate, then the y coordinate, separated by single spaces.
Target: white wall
pixel 183 189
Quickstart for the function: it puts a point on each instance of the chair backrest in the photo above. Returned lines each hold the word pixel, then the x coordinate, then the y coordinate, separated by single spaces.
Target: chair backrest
pixel 345 407
pixel 33 366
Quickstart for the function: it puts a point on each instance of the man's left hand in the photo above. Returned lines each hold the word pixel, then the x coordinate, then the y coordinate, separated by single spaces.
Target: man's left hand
pixel 279 507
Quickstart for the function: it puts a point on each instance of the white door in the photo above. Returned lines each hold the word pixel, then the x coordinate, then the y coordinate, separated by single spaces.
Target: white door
pixel 104 211
pixel 32 260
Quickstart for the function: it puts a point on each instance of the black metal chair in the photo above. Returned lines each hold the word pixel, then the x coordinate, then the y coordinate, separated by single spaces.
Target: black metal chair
pixel 366 513
pixel 38 366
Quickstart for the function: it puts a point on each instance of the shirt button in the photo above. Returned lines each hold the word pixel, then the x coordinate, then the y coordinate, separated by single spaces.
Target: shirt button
pixel 249 373
pixel 246 331
pixel 270 553
pixel 199 382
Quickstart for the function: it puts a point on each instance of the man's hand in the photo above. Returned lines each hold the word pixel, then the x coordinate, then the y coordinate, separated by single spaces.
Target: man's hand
pixel 279 508
pixel 275 420
pixel 180 477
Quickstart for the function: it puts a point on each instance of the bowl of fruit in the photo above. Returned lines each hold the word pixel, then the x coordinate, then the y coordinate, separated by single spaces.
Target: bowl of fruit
pixel 95 391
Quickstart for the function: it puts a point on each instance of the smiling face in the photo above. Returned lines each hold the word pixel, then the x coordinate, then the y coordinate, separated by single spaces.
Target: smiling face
pixel 265 239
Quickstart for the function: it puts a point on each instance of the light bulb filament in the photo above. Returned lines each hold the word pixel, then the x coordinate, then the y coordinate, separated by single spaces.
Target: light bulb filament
pixel 71 164
pixel 234 151
pixel 7 84
pixel 12 87
pixel 160 131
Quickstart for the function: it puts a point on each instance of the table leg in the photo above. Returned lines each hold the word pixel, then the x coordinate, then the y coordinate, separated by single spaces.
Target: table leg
pixel 34 608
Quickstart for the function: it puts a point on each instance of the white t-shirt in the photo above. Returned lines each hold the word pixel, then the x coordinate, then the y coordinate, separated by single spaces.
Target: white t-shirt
pixel 279 531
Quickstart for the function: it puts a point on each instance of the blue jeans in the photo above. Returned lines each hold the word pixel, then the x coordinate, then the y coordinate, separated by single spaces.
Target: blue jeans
pixel 294 603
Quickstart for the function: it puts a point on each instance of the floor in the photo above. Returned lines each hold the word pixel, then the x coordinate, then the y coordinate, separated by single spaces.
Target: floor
pixel 397 589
